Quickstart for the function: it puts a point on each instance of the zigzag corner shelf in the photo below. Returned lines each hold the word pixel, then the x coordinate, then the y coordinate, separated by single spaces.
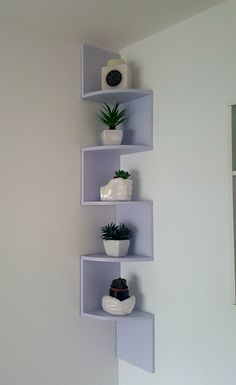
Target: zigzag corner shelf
pixel 135 332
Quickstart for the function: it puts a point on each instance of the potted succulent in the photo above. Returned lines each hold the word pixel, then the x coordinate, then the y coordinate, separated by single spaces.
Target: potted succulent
pixel 117 189
pixel 122 174
pixel 116 239
pixel 111 116
pixel 118 302
pixel 119 289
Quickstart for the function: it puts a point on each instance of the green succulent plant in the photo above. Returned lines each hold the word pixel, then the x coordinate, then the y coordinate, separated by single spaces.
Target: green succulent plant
pixel 111 116
pixel 119 283
pixel 116 232
pixel 122 174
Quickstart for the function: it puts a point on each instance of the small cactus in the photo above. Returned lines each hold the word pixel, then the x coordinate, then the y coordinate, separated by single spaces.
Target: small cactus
pixel 119 283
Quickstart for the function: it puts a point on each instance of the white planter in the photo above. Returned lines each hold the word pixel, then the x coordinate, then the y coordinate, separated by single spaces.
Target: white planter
pixel 116 248
pixel 118 189
pixel 111 137
pixel 115 307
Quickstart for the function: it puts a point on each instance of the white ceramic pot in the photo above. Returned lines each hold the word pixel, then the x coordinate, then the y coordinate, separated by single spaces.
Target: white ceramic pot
pixel 114 306
pixel 116 248
pixel 118 189
pixel 111 137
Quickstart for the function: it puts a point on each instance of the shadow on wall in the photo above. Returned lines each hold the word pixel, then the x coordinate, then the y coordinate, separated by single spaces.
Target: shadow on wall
pixel 134 285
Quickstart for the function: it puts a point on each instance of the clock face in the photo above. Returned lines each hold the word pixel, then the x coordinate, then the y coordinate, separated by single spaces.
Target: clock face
pixel 114 78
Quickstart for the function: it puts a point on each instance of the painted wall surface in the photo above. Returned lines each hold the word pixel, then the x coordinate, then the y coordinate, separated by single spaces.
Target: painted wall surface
pixel 191 68
pixel 43 229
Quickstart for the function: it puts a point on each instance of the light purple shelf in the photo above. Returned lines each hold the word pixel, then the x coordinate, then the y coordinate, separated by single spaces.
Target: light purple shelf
pixel 111 96
pixel 102 315
pixel 132 331
pixel 136 342
pixel 134 336
pixel 135 332
pixel 115 203
pixel 120 150
pixel 105 258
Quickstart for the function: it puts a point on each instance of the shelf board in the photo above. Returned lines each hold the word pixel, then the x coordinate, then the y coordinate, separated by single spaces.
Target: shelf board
pixel 119 149
pixel 105 258
pixel 111 96
pixel 234 173
pixel 115 203
pixel 102 315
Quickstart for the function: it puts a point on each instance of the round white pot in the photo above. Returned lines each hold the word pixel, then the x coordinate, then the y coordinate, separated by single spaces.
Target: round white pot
pixel 116 248
pixel 111 137
pixel 115 307
pixel 117 189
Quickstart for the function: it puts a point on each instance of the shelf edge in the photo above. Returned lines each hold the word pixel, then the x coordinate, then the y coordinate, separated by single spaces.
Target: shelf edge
pixel 125 91
pixel 122 149
pixel 105 258
pixel 142 315
pixel 115 203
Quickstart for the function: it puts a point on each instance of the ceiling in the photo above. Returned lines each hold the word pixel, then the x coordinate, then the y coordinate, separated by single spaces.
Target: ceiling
pixel 108 23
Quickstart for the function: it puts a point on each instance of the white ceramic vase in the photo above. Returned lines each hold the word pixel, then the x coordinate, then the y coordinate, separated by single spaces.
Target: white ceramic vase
pixel 117 189
pixel 111 137
pixel 114 306
pixel 115 248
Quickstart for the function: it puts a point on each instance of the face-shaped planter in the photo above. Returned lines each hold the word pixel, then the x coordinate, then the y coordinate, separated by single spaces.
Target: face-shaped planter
pixel 118 189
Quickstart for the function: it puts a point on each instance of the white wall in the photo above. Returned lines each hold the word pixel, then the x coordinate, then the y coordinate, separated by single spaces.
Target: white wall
pixel 43 229
pixel 192 69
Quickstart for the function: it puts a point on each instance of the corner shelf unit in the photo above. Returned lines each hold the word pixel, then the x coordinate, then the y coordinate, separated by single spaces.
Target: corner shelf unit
pixel 98 164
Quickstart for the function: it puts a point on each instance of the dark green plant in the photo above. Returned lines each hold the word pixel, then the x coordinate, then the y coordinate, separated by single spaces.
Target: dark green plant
pixel 111 116
pixel 116 232
pixel 121 174
pixel 119 283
